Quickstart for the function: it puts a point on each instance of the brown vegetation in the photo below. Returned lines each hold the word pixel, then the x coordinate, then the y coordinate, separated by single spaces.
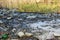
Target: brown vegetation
pixel 31 5
pixel 15 3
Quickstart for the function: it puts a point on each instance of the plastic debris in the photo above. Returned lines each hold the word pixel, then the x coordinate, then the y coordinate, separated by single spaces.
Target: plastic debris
pixel 28 34
pixel 4 36
pixel 20 34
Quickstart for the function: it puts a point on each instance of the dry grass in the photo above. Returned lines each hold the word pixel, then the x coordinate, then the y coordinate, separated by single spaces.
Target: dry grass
pixel 31 6
pixel 39 8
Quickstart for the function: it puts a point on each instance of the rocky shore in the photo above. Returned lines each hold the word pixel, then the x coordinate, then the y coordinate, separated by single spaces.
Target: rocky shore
pixel 41 26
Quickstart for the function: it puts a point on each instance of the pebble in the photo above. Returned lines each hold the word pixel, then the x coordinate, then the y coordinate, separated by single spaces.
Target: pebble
pixel 1 21
pixel 9 17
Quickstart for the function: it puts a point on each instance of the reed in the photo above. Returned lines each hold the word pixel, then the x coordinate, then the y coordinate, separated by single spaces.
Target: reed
pixel 32 6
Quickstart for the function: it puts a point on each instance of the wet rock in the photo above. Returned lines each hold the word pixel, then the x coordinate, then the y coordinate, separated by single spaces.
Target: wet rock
pixel 28 38
pixel 56 34
pixel 50 36
pixel 9 17
pixel 18 20
pixel 31 17
pixel 1 21
pixel 13 30
pixel 12 39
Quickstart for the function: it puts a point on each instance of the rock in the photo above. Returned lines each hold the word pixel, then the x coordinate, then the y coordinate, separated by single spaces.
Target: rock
pixel 29 38
pixel 9 17
pixel 1 21
pixel 28 34
pixel 14 39
pixel 57 34
pixel 13 30
pixel 31 17
pixel 50 36
pixel 20 19
pixel 20 34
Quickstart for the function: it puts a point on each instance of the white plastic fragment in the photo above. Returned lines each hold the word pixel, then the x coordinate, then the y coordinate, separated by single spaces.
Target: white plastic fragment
pixel 28 34
pixel 20 34
pixel 13 29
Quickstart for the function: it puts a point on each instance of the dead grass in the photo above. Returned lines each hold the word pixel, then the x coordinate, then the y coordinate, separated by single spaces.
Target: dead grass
pixel 39 8
pixel 31 7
